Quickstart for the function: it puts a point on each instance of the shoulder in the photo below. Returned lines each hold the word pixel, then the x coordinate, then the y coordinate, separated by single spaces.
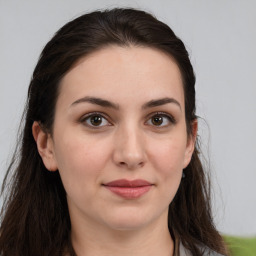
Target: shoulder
pixel 206 251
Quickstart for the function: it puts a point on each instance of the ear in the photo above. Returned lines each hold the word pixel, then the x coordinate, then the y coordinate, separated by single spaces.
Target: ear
pixel 190 144
pixel 44 146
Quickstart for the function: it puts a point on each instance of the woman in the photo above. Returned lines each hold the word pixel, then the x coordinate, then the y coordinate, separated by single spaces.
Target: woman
pixel 109 162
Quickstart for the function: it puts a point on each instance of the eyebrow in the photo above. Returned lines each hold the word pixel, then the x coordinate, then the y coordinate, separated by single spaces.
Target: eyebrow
pixel 96 101
pixel 160 102
pixel 105 103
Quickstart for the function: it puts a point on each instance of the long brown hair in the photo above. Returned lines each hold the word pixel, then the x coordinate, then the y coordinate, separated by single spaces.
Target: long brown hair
pixel 35 217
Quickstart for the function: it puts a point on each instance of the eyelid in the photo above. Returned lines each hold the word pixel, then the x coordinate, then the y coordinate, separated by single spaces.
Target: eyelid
pixel 95 113
pixel 163 114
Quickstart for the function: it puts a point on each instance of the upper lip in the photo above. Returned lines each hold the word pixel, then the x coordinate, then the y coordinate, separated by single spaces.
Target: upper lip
pixel 128 183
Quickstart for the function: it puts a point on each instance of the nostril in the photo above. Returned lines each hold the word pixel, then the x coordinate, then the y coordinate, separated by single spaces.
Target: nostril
pixel 131 165
pixel 141 164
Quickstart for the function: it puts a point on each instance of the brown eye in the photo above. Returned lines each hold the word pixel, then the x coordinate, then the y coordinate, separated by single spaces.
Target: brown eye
pixel 161 120
pixel 95 120
pixel 157 120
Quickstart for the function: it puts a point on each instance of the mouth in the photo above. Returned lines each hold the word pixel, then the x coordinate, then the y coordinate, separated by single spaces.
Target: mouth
pixel 129 189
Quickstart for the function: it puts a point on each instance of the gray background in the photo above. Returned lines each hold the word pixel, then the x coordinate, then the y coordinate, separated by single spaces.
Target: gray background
pixel 221 39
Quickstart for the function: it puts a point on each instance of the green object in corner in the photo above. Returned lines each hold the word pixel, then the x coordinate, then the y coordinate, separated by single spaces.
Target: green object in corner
pixel 241 246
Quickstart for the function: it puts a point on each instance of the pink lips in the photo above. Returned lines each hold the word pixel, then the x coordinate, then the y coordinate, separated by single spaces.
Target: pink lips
pixel 129 189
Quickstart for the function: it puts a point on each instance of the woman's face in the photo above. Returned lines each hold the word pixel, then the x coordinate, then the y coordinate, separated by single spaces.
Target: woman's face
pixel 119 137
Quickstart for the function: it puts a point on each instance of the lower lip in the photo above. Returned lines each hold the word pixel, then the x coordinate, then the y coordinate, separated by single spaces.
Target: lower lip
pixel 129 192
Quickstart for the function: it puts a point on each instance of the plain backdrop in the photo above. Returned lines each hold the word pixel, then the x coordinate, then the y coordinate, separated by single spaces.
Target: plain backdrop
pixel 221 39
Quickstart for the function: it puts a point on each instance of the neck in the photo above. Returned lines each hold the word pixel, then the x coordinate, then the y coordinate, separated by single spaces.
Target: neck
pixel 150 240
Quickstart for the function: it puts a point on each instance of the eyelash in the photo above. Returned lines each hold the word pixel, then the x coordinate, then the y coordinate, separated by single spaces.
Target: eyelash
pixel 170 118
pixel 86 118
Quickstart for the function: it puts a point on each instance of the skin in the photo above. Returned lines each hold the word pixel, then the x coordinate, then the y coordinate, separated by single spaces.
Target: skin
pixel 127 144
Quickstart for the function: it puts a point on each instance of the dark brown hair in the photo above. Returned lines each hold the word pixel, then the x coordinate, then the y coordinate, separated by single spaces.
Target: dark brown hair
pixel 35 217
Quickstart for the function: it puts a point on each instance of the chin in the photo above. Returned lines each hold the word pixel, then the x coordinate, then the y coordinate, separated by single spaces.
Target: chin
pixel 128 226
pixel 128 221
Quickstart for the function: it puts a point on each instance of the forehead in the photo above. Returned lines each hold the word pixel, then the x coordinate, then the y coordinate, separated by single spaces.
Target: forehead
pixel 119 72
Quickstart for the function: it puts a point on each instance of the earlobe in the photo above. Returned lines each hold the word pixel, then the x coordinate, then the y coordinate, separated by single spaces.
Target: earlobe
pixel 44 146
pixel 190 144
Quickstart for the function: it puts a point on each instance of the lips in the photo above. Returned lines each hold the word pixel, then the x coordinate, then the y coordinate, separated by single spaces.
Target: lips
pixel 129 189
pixel 128 183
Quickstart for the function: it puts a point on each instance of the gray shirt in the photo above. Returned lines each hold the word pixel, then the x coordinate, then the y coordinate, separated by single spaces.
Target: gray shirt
pixel 182 251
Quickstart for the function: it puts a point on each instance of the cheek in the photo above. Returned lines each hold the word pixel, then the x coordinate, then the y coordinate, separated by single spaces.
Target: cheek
pixel 168 157
pixel 80 159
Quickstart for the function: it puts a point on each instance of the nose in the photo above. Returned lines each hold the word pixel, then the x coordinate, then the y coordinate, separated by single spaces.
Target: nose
pixel 129 149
